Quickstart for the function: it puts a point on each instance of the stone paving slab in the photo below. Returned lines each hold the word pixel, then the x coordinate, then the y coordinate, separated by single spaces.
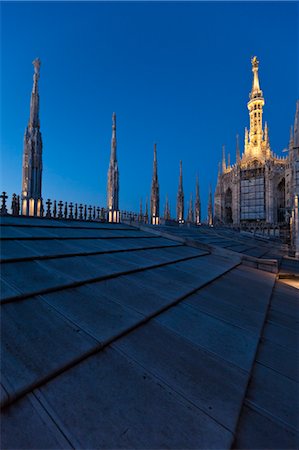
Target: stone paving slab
pixel 228 312
pixel 275 394
pixel 35 428
pixel 279 358
pixel 29 277
pixel 231 343
pixel 256 431
pixel 37 276
pixel 233 292
pixel 135 410
pixel 16 249
pixel 36 341
pixel 11 250
pixel 281 336
pixel 93 312
pixel 208 382
pixel 285 320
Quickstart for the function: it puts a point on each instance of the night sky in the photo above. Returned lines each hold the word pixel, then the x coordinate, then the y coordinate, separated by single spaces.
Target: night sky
pixel 177 74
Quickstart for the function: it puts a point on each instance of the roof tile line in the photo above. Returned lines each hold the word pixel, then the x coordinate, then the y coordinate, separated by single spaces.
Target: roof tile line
pixel 252 405
pixel 73 255
pixel 61 238
pixel 96 279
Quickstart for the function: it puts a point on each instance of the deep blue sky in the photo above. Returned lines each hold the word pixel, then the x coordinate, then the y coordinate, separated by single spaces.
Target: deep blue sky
pixel 177 74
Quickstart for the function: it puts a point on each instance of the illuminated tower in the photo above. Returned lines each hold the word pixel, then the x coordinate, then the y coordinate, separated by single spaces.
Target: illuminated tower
pixel 113 179
pixel 210 208
pixel 32 154
pixel 155 191
pixel 197 206
pixel 180 197
pixel 257 141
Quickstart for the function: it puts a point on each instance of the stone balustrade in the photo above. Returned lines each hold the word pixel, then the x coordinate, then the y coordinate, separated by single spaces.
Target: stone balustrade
pixel 68 210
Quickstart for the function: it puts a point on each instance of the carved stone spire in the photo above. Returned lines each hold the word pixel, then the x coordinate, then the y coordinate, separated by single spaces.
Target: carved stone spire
pixel 167 209
pixel 155 198
pixel 113 179
pixel 146 211
pixel 32 154
pixel 210 208
pixel 180 197
pixel 237 150
pixel 197 205
pixel 190 210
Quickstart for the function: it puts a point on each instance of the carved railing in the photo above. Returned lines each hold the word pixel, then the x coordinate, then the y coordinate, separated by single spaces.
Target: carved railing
pixel 68 211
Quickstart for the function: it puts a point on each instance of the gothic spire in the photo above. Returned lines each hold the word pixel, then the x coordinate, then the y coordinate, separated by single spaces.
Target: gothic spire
pixel 34 102
pixel 155 199
pixel 113 140
pixel 113 178
pixel 32 154
pixel 190 210
pixel 210 208
pixel 180 197
pixel 167 209
pixel 197 204
pixel 237 150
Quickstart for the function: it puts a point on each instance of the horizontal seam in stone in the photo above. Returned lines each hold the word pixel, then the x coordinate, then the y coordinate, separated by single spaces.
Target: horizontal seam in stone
pixel 96 279
pixel 74 255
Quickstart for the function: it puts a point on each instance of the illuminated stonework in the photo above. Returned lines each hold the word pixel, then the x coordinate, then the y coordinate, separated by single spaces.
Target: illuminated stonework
pixel 180 197
pixel 258 190
pixel 32 155
pixel 113 179
pixel 155 197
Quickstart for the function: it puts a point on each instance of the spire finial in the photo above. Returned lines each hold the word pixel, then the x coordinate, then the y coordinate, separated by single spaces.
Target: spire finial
pixel 255 91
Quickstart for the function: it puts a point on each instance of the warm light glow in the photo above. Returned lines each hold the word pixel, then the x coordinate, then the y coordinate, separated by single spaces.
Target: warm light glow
pixel 31 207
pixel 24 207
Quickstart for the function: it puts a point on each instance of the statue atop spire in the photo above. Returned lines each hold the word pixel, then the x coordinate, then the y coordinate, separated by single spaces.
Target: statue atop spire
pixel 255 91
pixel 113 179
pixel 32 154
pixel 155 198
pixel 180 197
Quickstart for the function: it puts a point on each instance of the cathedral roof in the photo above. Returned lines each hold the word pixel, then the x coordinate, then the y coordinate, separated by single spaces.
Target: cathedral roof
pixel 119 337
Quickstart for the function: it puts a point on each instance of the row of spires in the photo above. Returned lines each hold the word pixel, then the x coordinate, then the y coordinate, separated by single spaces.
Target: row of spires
pixel 193 215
